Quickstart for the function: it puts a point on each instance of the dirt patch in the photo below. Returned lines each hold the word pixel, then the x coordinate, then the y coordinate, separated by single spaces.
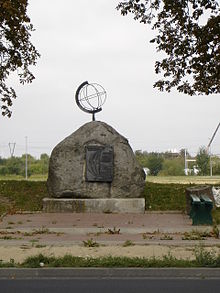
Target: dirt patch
pixel 20 253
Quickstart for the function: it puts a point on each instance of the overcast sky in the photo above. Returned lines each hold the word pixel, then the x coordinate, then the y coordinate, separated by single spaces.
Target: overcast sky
pixel 90 40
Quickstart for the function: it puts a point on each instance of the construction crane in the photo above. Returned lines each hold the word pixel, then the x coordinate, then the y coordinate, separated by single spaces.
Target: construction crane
pixel 213 136
pixel 209 147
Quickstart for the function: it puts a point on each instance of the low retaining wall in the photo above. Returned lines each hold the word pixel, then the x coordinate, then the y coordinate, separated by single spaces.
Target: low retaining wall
pixel 109 205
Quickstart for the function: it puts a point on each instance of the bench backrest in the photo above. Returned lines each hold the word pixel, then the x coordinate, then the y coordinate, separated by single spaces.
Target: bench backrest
pixel 195 199
pixel 206 199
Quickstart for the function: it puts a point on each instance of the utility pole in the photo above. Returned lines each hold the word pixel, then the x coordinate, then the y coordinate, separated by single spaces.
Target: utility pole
pixel 186 167
pixel 26 159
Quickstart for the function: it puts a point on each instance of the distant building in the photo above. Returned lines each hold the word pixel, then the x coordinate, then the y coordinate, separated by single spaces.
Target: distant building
pixel 172 153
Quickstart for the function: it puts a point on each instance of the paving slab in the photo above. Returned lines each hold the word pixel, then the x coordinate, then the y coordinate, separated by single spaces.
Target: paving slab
pixel 151 220
pixel 69 228
pixel 142 235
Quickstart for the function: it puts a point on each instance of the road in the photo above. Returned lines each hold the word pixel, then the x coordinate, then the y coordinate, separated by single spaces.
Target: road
pixel 88 285
pixel 109 280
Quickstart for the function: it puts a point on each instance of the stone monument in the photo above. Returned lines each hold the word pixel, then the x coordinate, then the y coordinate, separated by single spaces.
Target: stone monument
pixel 94 169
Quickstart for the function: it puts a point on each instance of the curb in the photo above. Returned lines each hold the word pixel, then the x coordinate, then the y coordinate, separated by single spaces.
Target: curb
pixel 114 273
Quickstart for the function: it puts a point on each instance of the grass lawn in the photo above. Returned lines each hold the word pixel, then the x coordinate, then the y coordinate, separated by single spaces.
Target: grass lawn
pixel 153 179
pixel 184 179
pixel 18 177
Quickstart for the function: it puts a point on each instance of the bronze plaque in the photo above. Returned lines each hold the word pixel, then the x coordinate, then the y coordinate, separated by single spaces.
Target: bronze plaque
pixel 99 163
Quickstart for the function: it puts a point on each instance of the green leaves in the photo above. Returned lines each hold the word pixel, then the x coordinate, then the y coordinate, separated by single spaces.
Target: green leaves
pixel 17 53
pixel 188 32
pixel 202 160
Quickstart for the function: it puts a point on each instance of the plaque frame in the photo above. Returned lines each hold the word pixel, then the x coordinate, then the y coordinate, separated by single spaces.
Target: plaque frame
pixel 99 163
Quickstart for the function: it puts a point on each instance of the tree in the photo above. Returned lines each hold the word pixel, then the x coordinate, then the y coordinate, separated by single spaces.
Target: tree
pixel 141 157
pixel 215 165
pixel 188 32
pixel 155 163
pixel 44 162
pixel 14 165
pixel 44 157
pixel 173 167
pixel 17 53
pixel 202 160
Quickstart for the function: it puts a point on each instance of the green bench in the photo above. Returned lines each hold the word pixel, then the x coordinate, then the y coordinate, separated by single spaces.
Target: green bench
pixel 201 208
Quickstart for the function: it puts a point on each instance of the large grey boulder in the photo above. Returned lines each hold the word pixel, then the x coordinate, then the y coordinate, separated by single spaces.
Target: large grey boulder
pixel 67 166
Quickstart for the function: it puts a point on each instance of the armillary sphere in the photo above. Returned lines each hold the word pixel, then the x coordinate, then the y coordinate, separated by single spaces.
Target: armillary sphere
pixel 90 97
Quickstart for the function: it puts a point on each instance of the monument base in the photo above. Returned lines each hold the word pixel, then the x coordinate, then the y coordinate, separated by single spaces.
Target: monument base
pixel 106 205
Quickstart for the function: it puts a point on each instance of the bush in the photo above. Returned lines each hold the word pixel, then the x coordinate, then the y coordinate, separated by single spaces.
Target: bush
pixel 165 196
pixel 206 258
pixel 23 195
